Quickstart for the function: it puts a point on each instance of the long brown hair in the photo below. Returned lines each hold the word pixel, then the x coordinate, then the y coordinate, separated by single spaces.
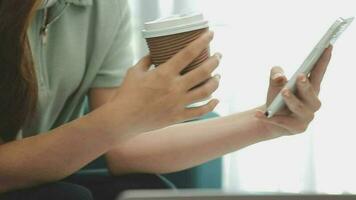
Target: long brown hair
pixel 18 82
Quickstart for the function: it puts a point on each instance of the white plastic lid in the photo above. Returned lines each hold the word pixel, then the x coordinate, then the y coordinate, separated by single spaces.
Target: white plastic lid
pixel 174 24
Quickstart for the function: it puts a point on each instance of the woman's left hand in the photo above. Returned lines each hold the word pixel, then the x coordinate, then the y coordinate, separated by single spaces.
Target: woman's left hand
pixel 302 106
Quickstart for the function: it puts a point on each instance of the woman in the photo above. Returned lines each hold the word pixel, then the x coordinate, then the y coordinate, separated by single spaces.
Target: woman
pixel 54 54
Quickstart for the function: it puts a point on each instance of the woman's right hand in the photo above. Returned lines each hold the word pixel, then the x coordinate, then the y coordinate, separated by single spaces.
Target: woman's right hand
pixel 153 99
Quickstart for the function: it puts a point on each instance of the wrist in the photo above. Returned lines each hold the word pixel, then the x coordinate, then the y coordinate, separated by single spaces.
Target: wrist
pixel 104 121
pixel 90 126
pixel 267 130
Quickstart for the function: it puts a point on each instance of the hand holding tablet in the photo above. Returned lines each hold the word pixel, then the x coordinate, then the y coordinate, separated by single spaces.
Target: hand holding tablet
pixel 328 39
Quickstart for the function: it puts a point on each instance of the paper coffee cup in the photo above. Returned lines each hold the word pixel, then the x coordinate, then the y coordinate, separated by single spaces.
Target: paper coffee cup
pixel 167 36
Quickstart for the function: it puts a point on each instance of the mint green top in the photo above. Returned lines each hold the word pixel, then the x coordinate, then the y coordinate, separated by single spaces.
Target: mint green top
pixel 87 44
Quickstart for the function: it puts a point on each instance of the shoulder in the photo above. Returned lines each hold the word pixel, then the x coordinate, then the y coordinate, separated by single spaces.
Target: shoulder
pixel 109 12
pixel 117 6
pixel 98 8
pixel 99 17
pixel 88 3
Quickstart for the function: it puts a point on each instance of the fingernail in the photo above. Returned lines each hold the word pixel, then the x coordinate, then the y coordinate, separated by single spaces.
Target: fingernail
pixel 218 56
pixel 302 78
pixel 286 93
pixel 259 114
pixel 277 75
pixel 218 77
pixel 210 35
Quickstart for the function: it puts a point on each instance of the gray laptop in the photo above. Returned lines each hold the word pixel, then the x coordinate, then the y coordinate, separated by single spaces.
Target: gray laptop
pixel 220 195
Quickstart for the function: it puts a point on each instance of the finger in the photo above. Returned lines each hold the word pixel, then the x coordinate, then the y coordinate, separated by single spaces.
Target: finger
pixel 202 73
pixel 192 113
pixel 277 78
pixel 277 82
pixel 186 56
pixel 204 91
pixel 145 63
pixel 295 105
pixel 319 70
pixel 307 93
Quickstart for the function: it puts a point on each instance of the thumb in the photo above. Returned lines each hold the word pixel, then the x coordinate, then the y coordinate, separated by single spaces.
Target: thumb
pixel 145 63
pixel 276 83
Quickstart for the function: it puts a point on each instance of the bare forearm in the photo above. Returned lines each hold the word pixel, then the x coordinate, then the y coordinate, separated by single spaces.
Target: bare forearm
pixel 51 156
pixel 182 146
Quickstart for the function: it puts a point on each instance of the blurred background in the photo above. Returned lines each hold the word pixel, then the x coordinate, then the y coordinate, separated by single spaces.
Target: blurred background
pixel 253 36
